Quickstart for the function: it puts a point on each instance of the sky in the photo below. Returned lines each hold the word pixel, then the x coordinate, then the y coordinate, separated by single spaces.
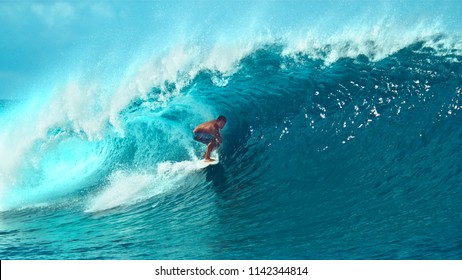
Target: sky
pixel 38 37
pixel 42 42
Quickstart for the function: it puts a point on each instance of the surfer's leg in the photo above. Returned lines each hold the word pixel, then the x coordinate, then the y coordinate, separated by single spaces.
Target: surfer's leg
pixel 210 148
pixel 208 151
pixel 208 140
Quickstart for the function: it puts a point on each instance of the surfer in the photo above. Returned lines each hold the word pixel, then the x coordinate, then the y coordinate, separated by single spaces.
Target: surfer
pixel 209 134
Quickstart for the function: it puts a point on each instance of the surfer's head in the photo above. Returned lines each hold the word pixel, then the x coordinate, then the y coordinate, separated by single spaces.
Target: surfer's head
pixel 221 120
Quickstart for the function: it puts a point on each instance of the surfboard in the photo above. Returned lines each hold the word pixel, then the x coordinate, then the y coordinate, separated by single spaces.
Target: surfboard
pixel 216 159
pixel 204 164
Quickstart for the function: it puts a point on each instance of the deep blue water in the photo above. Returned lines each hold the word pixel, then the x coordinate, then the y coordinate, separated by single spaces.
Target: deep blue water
pixel 343 149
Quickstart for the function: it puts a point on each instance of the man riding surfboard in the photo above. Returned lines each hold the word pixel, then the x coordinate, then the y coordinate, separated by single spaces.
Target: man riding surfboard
pixel 208 133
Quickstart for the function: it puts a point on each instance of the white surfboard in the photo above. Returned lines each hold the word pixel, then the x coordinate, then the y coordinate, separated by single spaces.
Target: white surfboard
pixel 204 164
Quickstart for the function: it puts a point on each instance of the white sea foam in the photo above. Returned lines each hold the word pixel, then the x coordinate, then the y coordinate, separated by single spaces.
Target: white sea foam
pixel 375 41
pixel 130 187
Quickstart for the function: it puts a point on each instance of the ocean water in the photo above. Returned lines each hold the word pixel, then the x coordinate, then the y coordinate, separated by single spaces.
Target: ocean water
pixel 343 138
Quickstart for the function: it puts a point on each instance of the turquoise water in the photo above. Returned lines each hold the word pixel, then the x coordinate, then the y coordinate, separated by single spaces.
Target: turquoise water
pixel 342 141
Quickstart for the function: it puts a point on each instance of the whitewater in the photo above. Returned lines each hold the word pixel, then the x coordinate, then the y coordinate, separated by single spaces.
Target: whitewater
pixel 342 141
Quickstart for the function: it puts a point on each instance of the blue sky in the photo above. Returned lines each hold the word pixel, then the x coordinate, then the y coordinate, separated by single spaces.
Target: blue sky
pixel 41 39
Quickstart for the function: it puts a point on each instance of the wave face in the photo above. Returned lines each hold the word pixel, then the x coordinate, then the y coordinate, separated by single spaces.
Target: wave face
pixel 342 147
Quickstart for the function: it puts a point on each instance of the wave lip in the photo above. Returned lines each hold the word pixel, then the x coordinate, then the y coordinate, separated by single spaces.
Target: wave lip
pixel 376 42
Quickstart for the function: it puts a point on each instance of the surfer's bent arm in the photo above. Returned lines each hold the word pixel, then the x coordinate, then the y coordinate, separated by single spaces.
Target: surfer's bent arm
pixel 217 137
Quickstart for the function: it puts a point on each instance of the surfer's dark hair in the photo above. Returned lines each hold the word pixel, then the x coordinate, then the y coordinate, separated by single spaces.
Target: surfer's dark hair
pixel 221 119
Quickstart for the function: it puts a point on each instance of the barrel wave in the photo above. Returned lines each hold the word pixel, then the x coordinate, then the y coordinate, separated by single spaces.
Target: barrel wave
pixel 342 147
